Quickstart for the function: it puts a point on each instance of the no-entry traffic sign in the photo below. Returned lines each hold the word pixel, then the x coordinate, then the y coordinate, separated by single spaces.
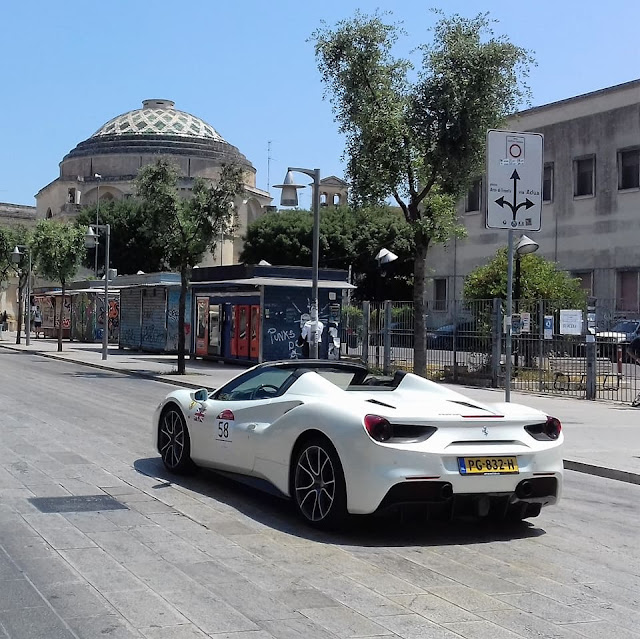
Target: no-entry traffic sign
pixel 514 180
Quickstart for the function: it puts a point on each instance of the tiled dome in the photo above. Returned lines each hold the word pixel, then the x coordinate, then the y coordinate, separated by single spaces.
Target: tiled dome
pixel 157 129
pixel 158 117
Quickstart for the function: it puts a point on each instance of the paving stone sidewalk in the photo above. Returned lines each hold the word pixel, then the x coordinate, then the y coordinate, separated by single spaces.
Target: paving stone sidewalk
pixel 202 557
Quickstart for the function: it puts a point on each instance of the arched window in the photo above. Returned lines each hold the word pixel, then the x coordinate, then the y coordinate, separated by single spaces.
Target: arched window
pixel 49 214
pixel 323 199
pixel 336 199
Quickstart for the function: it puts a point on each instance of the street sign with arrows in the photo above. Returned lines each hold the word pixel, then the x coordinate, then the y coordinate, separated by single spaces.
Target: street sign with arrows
pixel 514 180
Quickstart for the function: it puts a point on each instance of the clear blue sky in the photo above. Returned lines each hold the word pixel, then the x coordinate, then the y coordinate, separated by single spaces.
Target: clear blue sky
pixel 246 68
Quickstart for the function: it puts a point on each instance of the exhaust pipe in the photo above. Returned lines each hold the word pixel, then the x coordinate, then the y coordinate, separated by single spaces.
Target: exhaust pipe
pixel 525 489
pixel 446 492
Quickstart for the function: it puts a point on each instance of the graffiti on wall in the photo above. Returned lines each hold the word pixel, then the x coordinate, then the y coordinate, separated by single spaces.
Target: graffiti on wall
pixel 172 320
pixel 285 313
pixel 130 310
pixel 113 319
pixel 83 317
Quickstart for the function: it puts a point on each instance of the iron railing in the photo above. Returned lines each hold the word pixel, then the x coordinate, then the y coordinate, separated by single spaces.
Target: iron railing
pixel 466 344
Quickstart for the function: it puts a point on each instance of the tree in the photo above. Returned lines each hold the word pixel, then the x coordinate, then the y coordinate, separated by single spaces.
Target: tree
pixel 419 141
pixel 10 237
pixel 540 279
pixel 187 227
pixel 349 237
pixel 132 247
pixel 58 250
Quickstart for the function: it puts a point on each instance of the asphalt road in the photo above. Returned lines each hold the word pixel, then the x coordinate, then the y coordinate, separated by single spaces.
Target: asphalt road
pixel 204 556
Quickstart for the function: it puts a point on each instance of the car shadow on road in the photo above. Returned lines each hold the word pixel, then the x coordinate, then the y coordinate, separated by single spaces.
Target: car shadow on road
pixel 265 505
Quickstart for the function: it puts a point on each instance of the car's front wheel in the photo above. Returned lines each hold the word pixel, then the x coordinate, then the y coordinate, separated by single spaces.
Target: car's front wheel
pixel 318 486
pixel 173 441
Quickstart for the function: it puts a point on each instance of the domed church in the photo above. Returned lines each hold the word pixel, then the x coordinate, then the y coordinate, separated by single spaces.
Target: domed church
pixel 104 167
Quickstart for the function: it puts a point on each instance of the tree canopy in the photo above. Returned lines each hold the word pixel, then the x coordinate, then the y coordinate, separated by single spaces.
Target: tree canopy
pixel 540 279
pixel 133 247
pixel 187 227
pixel 349 237
pixel 58 249
pixel 418 137
pixel 9 238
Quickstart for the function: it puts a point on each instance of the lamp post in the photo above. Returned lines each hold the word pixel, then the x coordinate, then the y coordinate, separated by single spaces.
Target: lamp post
pixel 91 240
pixel 384 256
pixel 98 177
pixel 289 197
pixel 16 257
pixel 525 245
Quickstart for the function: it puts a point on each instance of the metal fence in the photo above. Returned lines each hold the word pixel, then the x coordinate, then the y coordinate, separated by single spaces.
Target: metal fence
pixel 466 345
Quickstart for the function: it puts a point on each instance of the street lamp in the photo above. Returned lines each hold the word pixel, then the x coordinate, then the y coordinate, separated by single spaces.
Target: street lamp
pixel 91 240
pixel 524 246
pixel 98 177
pixel 289 197
pixel 16 257
pixel 384 256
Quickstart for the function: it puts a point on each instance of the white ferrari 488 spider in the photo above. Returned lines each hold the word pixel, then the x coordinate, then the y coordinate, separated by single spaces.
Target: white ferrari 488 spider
pixel 338 440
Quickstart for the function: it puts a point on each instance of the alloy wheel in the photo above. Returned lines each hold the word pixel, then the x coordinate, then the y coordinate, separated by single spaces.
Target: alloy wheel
pixel 172 439
pixel 315 483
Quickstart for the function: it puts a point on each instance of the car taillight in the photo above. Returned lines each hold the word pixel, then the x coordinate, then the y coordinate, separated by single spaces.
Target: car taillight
pixel 378 428
pixel 552 428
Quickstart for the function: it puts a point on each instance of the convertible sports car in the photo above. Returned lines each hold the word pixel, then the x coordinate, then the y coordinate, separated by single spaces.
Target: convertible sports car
pixel 338 440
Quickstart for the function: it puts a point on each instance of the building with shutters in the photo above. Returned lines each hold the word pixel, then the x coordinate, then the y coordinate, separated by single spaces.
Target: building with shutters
pixel 591 201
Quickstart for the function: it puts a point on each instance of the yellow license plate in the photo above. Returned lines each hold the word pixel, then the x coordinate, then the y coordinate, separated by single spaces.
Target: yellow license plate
pixel 487 465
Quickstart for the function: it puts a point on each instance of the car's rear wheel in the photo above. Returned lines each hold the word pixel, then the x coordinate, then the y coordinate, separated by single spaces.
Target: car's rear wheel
pixel 318 486
pixel 173 441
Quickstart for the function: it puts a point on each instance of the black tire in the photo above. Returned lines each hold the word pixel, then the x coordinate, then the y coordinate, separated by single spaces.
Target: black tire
pixel 318 488
pixel 174 443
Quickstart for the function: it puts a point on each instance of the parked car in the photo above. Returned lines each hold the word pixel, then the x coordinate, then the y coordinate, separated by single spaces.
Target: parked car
pixel 622 334
pixel 442 338
pixel 400 335
pixel 337 440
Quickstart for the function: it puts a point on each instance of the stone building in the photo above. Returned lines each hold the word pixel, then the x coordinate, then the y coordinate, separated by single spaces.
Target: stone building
pixel 13 215
pixel 333 191
pixel 591 201
pixel 104 167
pixel 17 215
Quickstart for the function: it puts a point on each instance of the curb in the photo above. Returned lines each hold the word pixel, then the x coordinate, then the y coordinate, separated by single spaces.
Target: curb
pixel 601 471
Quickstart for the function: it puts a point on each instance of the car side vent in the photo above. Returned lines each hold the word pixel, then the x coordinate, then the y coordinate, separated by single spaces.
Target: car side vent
pixel 376 401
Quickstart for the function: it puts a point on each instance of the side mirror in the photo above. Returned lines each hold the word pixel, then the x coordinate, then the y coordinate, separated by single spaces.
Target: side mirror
pixel 201 395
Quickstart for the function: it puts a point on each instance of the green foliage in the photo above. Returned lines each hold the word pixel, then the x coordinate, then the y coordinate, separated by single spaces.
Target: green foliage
pixel 403 137
pixel 420 141
pixel 133 245
pixel 539 279
pixel 348 237
pixel 185 229
pixel 58 250
pixel 10 237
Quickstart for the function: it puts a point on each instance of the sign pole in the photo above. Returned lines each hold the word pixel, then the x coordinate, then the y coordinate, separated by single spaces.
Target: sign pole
pixel 507 355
